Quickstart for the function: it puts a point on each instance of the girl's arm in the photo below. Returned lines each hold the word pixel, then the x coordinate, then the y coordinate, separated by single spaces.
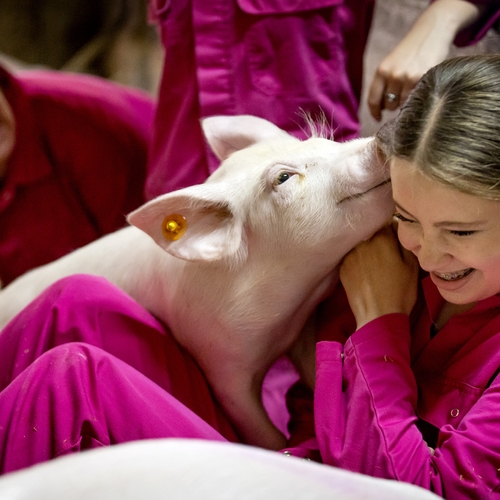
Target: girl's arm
pixel 365 404
pixel 365 417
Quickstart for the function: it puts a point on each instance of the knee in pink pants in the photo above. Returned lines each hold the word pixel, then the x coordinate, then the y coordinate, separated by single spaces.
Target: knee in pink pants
pixel 76 397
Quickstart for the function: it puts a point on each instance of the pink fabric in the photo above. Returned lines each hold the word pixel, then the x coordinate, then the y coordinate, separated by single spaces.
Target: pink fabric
pixel 78 165
pixel 390 390
pixel 85 366
pixel 77 397
pixel 489 16
pixel 270 58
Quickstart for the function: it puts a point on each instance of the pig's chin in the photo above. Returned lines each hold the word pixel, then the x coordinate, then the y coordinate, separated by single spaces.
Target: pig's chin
pixel 366 191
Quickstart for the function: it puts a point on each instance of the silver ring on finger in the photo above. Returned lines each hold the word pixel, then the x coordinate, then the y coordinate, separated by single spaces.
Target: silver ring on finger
pixel 390 97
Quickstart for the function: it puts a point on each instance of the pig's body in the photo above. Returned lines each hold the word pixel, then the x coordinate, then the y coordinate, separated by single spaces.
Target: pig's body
pixel 264 238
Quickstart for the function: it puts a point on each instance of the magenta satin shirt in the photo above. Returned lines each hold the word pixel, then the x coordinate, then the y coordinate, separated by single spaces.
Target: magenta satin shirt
pixel 393 402
pixel 271 58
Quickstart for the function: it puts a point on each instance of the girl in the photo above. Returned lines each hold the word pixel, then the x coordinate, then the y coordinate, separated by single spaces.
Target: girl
pixel 413 393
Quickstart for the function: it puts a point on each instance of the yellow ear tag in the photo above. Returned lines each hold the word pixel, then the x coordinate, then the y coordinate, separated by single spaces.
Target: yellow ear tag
pixel 174 226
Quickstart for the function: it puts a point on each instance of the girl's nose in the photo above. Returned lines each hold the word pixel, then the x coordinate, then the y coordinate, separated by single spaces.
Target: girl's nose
pixel 429 252
pixel 431 255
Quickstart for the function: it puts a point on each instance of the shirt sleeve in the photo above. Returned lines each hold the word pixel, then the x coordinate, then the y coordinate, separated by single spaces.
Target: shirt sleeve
pixel 365 417
pixel 490 15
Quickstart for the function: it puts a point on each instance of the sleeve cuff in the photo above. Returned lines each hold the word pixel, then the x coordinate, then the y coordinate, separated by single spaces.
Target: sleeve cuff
pixel 386 331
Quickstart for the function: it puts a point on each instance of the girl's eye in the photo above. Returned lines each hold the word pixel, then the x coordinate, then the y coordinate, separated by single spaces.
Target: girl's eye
pixel 282 177
pixel 401 218
pixel 462 233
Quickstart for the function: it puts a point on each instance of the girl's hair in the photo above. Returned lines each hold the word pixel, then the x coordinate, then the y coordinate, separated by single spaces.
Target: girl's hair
pixel 449 127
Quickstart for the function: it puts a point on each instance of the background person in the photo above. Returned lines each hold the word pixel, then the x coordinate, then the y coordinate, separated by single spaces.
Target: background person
pixel 280 61
pixel 73 160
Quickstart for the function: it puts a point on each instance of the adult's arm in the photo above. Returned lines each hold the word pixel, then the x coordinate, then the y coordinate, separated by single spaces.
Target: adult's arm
pixel 426 44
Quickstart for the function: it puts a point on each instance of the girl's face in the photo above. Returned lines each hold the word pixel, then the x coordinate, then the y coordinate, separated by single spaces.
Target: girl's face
pixel 455 236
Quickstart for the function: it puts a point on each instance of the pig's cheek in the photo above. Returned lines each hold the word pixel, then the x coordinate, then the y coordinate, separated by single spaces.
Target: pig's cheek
pixel 377 209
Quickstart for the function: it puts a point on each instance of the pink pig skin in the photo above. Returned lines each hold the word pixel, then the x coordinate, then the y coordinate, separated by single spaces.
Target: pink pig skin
pixel 265 234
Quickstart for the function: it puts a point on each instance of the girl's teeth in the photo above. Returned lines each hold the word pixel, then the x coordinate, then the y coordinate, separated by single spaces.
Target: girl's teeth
pixel 454 276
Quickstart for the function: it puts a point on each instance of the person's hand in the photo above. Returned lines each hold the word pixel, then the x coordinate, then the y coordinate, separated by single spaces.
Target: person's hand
pixel 399 72
pixel 380 277
pixel 426 44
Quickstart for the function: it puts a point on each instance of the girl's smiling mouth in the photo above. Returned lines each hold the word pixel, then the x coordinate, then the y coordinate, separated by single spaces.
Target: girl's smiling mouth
pixel 455 275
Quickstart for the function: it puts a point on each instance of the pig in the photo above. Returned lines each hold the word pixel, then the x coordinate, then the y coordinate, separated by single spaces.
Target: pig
pixel 236 265
pixel 188 469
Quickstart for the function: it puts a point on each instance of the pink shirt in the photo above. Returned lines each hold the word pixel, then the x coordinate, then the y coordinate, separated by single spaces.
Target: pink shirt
pixel 78 165
pixel 271 58
pixel 391 391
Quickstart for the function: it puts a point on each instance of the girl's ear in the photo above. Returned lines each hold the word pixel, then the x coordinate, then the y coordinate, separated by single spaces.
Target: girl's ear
pixel 7 132
pixel 227 134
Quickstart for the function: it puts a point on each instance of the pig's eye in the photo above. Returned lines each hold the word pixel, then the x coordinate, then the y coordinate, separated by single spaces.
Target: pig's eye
pixel 282 177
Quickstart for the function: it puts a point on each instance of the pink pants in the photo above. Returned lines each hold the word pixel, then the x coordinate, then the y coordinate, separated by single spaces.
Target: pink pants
pixel 85 366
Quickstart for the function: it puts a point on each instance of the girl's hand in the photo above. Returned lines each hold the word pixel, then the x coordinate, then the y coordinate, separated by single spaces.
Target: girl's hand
pixel 380 277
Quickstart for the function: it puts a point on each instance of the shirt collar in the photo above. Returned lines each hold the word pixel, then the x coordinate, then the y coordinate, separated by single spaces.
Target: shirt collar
pixel 435 301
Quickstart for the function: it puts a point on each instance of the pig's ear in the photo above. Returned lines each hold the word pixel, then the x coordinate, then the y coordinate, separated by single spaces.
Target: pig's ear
pixel 227 134
pixel 191 225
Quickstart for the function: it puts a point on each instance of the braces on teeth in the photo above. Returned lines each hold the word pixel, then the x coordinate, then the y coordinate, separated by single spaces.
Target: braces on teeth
pixel 454 276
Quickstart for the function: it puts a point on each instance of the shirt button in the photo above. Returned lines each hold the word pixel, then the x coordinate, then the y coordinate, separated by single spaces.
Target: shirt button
pixel 455 412
pixel 287 453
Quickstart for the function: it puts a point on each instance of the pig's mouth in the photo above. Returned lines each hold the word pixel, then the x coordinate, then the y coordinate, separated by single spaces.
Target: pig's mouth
pixel 357 195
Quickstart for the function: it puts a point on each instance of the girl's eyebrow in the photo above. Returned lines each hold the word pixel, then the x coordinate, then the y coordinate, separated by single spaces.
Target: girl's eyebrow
pixel 445 223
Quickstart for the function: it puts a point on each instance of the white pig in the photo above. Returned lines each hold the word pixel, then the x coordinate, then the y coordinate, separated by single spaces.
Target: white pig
pixel 258 247
pixel 189 469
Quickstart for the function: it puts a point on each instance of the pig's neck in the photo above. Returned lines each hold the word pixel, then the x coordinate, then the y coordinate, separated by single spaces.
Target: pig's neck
pixel 244 321
pixel 236 322
pixel 251 301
